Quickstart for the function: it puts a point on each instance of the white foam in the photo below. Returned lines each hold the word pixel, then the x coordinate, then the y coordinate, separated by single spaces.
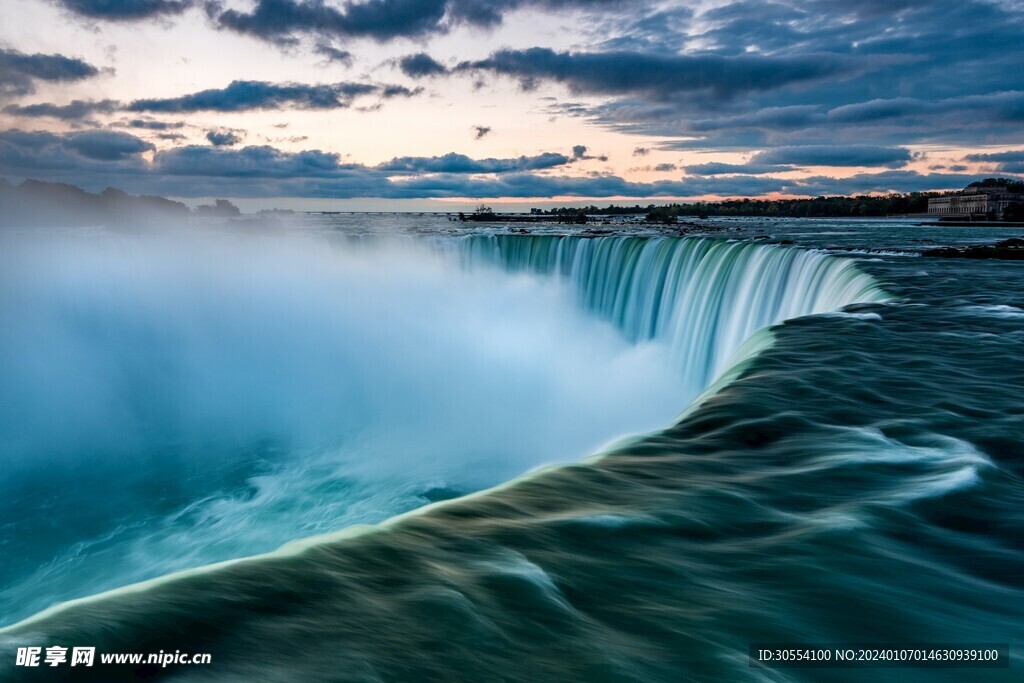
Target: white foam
pixel 855 316
pixel 945 464
pixel 998 310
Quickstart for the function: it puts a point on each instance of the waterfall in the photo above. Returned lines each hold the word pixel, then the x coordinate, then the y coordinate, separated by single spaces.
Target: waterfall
pixel 217 395
pixel 702 297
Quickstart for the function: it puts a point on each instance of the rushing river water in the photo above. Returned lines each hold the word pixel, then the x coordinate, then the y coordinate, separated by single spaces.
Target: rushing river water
pixel 825 446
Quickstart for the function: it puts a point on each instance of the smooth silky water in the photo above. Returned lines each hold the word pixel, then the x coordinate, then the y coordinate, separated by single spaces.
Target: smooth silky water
pixel 172 401
pixel 848 476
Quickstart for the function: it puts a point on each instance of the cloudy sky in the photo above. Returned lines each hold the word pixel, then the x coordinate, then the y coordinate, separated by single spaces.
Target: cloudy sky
pixel 329 103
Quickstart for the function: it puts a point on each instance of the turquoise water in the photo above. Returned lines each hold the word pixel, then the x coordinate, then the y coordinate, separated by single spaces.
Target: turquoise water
pixel 857 478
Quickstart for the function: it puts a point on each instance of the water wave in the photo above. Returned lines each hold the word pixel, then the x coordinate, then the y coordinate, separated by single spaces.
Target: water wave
pixel 700 298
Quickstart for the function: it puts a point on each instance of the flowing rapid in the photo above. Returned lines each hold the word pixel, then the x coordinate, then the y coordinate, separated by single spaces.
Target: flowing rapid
pixel 703 298
pixel 822 490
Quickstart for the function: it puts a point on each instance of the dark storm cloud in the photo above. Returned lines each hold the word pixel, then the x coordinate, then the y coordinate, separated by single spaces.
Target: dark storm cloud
pixel 72 111
pixel 124 10
pixel 579 153
pixel 998 157
pixel 907 29
pixel 1006 162
pixel 1007 106
pixel 77 154
pixel 656 75
pixel 248 95
pixel 223 138
pixel 249 162
pixel 390 91
pixel 421 65
pixel 150 124
pixel 490 13
pixel 525 185
pixel 770 118
pixel 716 168
pixel 95 159
pixel 834 155
pixel 264 161
pixel 886 181
pixel 972 119
pixel 281 21
pixel 19 71
pixel 106 145
pixel 460 163
pixel 939 72
pixel 333 54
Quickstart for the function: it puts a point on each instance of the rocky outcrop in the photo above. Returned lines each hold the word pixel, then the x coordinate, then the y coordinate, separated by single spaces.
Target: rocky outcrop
pixel 1008 250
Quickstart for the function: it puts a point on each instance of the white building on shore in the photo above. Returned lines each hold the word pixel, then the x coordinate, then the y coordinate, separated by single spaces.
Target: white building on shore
pixel 973 203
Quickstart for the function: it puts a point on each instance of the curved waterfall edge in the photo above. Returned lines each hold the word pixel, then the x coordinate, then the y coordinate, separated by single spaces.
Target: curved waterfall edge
pixel 739 361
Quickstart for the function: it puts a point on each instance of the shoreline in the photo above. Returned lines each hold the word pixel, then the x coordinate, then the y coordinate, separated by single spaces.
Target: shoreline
pixel 971 224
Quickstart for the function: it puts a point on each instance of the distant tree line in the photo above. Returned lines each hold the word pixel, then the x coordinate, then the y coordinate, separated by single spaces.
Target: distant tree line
pixel 818 207
pixel 825 207
pixel 610 210
pixel 1012 186
pixel 894 204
